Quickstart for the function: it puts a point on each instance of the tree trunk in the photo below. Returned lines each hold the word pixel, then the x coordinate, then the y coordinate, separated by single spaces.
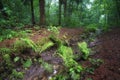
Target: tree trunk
pixel 60 4
pixel 65 10
pixel 118 10
pixel 5 15
pixel 32 13
pixel 42 11
pixel 48 10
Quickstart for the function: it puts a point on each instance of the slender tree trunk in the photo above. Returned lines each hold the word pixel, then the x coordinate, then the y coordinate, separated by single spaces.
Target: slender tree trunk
pixel 60 4
pixel 42 11
pixel 5 15
pixel 105 13
pixel 81 11
pixel 118 6
pixel 48 10
pixel 118 10
pixel 65 10
pixel 65 7
pixel 32 12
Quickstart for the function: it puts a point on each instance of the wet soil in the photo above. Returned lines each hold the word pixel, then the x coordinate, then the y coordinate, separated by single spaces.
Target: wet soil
pixel 50 55
pixel 106 47
pixel 109 51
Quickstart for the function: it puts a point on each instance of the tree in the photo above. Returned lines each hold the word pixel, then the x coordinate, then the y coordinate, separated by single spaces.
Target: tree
pixel 64 3
pixel 60 3
pixel 48 5
pixel 2 11
pixel 42 11
pixel 32 12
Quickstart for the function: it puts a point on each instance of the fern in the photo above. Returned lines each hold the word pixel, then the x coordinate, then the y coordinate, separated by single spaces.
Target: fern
pixel 73 67
pixel 27 63
pixel 30 43
pixel 46 46
pixel 5 50
pixel 23 43
pixel 67 55
pixel 84 49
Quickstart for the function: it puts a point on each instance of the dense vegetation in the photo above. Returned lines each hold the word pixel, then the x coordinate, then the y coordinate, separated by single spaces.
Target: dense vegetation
pixel 30 29
pixel 59 12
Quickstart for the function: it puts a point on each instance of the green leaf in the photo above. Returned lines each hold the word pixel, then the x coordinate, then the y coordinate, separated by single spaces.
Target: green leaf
pixel 6 57
pixel 17 74
pixel 84 49
pixel 28 63
pixel 16 59
pixel 46 46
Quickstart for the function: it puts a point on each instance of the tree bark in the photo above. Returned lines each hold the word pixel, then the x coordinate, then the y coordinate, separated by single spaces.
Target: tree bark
pixel 60 4
pixel 5 15
pixel 32 13
pixel 118 10
pixel 65 10
pixel 42 11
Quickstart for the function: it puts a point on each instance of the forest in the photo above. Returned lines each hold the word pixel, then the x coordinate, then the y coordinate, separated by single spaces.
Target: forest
pixel 59 40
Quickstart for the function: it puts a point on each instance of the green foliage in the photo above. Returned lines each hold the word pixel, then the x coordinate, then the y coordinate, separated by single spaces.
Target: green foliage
pixel 46 46
pixel 47 67
pixel 5 50
pixel 27 63
pixel 7 34
pixel 7 58
pixel 59 77
pixel 105 28
pixel 10 22
pixel 6 54
pixel 96 62
pixel 67 55
pixel 73 67
pixel 30 43
pixel 16 14
pixel 43 44
pixel 92 28
pixel 84 49
pixel 24 43
pixel 16 59
pixel 55 31
pixel 90 70
pixel 36 27
pixel 75 72
pixel 23 33
pixel 54 36
pixel 38 47
pixel 17 75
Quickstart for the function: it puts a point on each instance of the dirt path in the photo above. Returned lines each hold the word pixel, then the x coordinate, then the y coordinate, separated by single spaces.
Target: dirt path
pixel 109 51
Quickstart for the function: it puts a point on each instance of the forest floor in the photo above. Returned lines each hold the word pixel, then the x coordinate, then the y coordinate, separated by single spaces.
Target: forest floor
pixel 106 47
pixel 109 51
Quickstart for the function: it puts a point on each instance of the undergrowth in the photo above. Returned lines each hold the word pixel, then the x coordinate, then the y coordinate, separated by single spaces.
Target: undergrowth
pixel 9 34
pixel 84 49
pixel 72 69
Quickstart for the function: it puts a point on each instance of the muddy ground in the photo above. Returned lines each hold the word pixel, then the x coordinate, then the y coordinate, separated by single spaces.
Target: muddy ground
pixel 106 47
pixel 109 51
